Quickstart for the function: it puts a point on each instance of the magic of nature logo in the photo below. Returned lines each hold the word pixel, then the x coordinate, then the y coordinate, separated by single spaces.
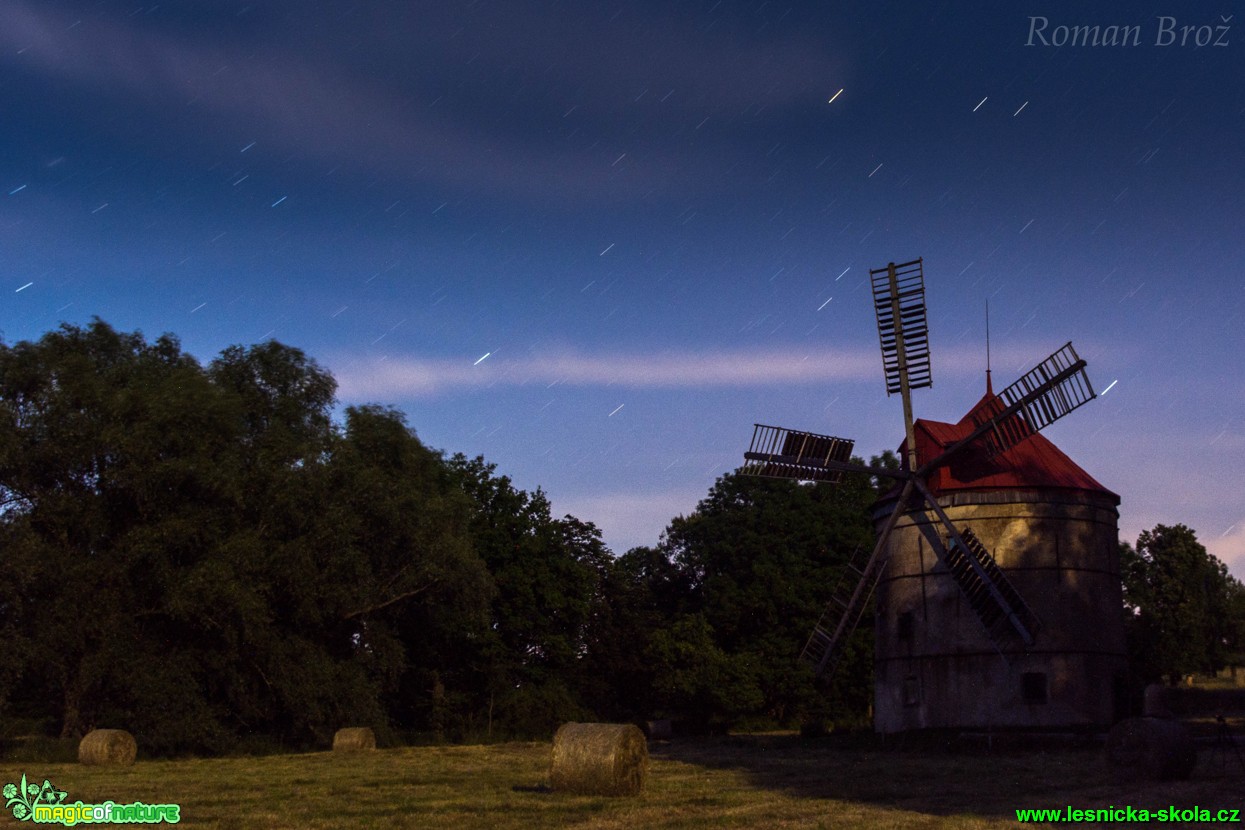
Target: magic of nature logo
pixel 45 804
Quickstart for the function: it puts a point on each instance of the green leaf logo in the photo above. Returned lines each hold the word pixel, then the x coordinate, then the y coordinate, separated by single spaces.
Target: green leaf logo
pixel 21 798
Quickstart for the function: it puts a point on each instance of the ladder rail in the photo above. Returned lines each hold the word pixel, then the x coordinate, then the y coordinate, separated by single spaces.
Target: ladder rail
pixel 834 641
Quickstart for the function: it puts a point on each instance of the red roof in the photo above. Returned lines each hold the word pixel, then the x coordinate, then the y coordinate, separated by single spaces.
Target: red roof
pixel 1034 462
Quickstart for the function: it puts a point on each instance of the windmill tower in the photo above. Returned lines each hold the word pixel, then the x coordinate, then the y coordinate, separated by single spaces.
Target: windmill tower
pixel 996 564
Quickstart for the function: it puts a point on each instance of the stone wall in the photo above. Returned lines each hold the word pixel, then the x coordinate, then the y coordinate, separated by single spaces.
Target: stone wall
pixel 936 667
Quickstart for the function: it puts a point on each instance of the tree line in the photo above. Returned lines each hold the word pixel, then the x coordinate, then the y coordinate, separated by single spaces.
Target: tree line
pixel 202 555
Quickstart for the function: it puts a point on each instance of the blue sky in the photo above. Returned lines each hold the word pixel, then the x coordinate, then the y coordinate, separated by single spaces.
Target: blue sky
pixel 656 219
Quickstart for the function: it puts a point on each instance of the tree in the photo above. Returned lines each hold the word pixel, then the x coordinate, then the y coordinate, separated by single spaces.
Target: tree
pixel 529 663
pixel 109 481
pixel 361 542
pixel 197 555
pixel 1183 611
pixel 1234 624
pixel 759 557
pixel 888 460
pixel 284 400
pixel 695 677
pixel 642 595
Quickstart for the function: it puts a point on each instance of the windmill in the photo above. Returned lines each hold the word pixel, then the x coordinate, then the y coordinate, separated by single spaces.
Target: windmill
pixel 1052 389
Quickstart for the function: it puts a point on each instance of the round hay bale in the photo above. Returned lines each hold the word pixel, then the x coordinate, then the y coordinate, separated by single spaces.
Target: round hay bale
pixel 111 747
pixel 1151 748
pixel 599 759
pixel 354 739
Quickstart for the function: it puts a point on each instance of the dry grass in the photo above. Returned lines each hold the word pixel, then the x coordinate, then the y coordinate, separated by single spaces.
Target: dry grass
pixel 763 781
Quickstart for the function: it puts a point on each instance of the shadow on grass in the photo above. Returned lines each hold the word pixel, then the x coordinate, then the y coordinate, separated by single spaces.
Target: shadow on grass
pixel 539 789
pixel 940 776
pixel 37 749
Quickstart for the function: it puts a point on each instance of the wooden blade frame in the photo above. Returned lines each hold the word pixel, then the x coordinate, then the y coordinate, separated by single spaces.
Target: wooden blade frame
pixel 829 636
pixel 1019 615
pixel 777 452
pixel 1046 393
pixel 850 616
pixel 899 303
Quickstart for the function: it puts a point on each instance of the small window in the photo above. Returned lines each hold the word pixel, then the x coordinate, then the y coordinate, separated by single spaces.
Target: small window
pixel 911 690
pixel 906 627
pixel 1033 687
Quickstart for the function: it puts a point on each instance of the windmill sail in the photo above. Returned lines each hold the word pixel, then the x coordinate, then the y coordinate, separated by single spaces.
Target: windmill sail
pixel 777 452
pixel 1046 393
pixel 899 303
pixel 840 618
pixel 849 598
pixel 993 599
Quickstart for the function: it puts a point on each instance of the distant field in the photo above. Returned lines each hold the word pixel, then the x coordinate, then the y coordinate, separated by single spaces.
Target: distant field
pixel 750 781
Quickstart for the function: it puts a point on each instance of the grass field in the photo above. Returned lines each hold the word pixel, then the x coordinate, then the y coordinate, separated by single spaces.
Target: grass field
pixel 770 781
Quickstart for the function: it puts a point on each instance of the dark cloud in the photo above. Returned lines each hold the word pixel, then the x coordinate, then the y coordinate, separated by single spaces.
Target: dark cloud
pixel 507 103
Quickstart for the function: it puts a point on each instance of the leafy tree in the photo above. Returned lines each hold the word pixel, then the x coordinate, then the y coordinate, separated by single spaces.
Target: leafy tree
pixel 759 557
pixel 888 460
pixel 1234 624
pixel 283 399
pixel 401 519
pixel 110 484
pixel 696 678
pixel 198 555
pixel 642 594
pixel 361 542
pixel 547 574
pixel 1183 610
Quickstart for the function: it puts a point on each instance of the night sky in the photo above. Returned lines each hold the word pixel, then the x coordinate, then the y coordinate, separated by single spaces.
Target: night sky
pixel 595 242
